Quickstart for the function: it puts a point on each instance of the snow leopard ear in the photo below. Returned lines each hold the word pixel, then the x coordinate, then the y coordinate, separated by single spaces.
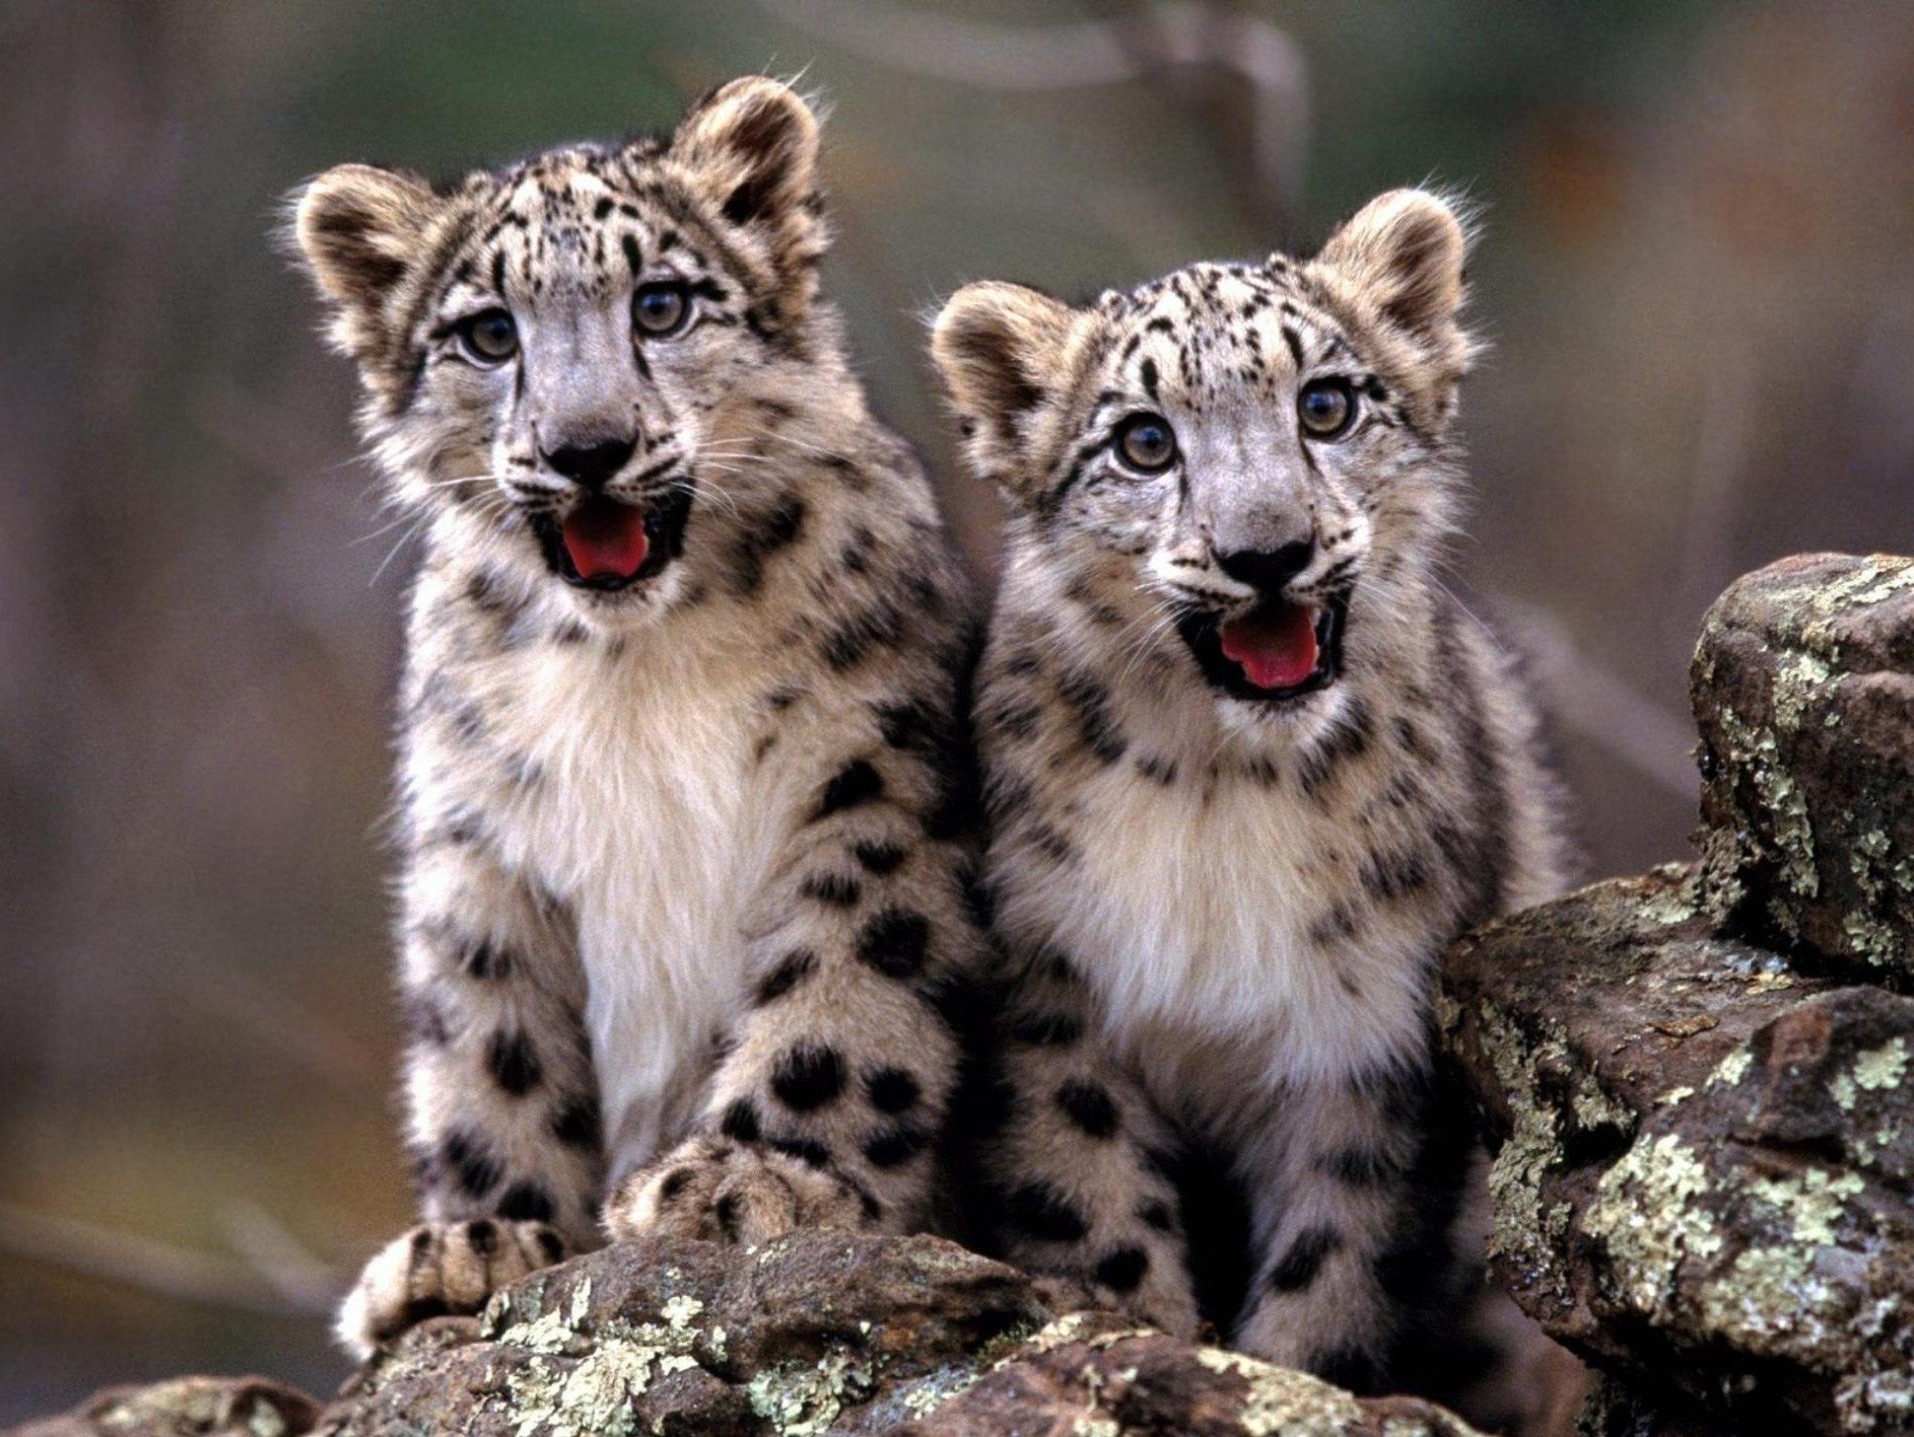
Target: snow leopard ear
pixel 358 229
pixel 750 148
pixel 1403 253
pixel 1001 350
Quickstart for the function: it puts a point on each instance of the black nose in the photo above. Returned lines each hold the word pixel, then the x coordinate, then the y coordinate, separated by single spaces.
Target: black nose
pixel 591 465
pixel 1267 570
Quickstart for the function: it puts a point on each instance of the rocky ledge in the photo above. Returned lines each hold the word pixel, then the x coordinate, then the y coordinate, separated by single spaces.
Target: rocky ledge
pixel 1697 1081
pixel 817 1333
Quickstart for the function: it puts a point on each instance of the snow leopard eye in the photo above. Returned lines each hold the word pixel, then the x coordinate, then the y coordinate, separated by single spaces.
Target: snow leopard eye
pixel 1326 408
pixel 1147 443
pixel 489 337
pixel 660 309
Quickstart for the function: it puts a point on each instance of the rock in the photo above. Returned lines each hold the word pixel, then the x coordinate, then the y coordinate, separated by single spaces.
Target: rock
pixel 1095 1375
pixel 187 1407
pixel 1705 1158
pixel 817 1333
pixel 1803 686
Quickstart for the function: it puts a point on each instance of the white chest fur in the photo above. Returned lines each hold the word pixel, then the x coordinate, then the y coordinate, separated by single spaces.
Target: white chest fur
pixel 1191 918
pixel 642 819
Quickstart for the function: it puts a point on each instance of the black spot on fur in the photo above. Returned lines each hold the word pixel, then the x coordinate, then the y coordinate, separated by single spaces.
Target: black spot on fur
pixel 1088 1105
pixel 808 1151
pixel 1040 1211
pixel 482 1236
pixel 576 1123
pixel 425 1020
pixel 1157 770
pixel 1090 701
pixel 839 890
pixel 740 1121
pixel 896 943
pixel 726 1212
pixel 851 642
pixel 486 960
pixel 514 1063
pixel 1123 1269
pixel 1296 1269
pixel 464 1155
pixel 1396 873
pixel 895 1146
pixel 808 1076
pixel 1157 1215
pixel 856 783
pixel 778 529
pixel 1358 1167
pixel 1347 742
pixel 550 1245
pixel 526 1202
pixel 676 1181
pixel 791 970
pixel 891 1090
pixel 879 858
pixel 1044 1030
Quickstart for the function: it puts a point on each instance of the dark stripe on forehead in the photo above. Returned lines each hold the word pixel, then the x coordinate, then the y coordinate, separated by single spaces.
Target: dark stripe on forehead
pixel 498 272
pixel 1147 374
pixel 634 257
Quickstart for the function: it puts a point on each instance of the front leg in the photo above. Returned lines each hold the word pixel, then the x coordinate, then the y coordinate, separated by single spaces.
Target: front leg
pixel 1358 1193
pixel 1079 1171
pixel 501 1098
pixel 831 1103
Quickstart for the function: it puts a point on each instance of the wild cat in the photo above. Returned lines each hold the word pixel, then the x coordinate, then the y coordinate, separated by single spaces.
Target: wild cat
pixel 680 749
pixel 1248 769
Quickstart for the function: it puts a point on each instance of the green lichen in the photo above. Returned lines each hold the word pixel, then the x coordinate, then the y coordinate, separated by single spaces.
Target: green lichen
pixel 1281 1402
pixel 1754 752
pixel 1797 683
pixel 804 1399
pixel 1812 1202
pixel 1768 1302
pixel 1678 903
pixel 1873 1070
pixel 1646 1216
pixel 1731 1069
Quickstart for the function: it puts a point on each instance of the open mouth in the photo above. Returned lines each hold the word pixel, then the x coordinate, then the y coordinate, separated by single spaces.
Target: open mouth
pixel 1276 651
pixel 606 545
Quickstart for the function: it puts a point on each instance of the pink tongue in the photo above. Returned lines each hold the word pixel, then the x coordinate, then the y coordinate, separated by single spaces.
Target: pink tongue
pixel 606 538
pixel 1276 645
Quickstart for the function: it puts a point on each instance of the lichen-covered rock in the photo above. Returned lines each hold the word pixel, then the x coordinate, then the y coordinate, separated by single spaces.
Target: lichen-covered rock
pixel 824 1333
pixel 1803 687
pixel 1705 1158
pixel 187 1407
pixel 818 1332
pixel 1096 1376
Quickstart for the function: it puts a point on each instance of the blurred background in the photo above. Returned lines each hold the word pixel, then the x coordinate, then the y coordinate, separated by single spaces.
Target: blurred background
pixel 1697 275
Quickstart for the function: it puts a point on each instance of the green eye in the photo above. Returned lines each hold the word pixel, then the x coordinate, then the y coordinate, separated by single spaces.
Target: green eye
pixel 1326 408
pixel 1147 443
pixel 660 309
pixel 490 336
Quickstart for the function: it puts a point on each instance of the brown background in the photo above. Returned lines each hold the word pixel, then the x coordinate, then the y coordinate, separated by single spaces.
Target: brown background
pixel 1696 276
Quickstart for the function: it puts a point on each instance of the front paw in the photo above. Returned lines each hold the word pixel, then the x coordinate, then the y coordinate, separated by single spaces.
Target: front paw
pixel 438 1269
pixel 722 1191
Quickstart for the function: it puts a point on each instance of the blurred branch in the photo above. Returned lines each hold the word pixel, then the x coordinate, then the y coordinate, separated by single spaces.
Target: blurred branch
pixel 1083 53
pixel 288 1266
pixel 146 1265
pixel 1600 706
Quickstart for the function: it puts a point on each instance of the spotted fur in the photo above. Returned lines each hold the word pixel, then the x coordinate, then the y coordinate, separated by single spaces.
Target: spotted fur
pixel 680 891
pixel 1222 911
